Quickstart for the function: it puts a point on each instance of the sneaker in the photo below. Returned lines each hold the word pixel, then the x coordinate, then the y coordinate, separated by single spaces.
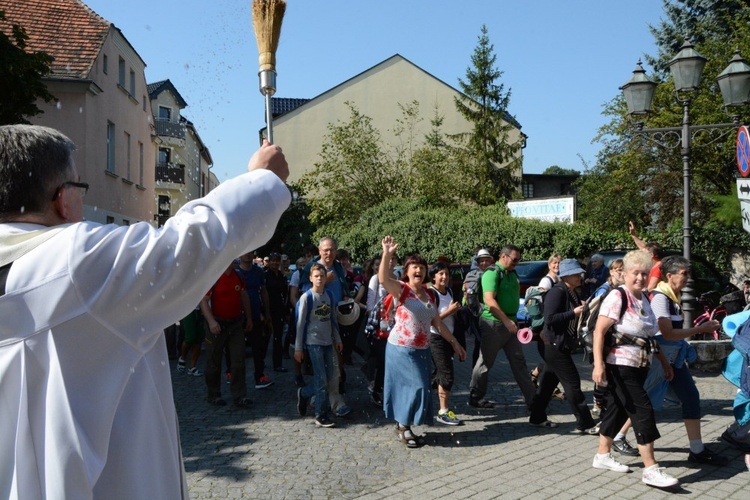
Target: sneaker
pixel 228 376
pixel 622 447
pixel 263 382
pixel 707 457
pixel 608 462
pixel 591 431
pixel 741 445
pixel 217 402
pixel 280 369
pixel 301 403
pixel 195 372
pixel 324 421
pixel 181 365
pixel 596 411
pixel 547 424
pixel 655 476
pixel 558 394
pixel 449 418
pixel 343 411
pixel 243 403
pixel 482 404
pixel 747 462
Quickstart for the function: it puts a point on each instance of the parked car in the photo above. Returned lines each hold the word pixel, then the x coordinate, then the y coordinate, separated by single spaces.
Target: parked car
pixel 706 279
pixel 530 273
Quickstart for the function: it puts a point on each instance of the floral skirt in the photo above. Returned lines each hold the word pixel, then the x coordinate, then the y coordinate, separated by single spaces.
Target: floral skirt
pixel 407 397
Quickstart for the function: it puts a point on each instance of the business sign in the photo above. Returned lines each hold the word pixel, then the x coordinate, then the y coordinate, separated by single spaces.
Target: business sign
pixel 743 151
pixel 743 193
pixel 561 209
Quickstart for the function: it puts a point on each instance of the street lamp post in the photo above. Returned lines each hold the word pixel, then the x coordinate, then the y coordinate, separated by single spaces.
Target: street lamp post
pixel 686 69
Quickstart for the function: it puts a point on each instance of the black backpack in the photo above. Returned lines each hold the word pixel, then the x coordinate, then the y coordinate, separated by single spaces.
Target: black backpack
pixel 589 315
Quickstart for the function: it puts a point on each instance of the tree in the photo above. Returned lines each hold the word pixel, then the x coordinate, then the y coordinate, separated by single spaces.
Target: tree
pixel 635 178
pixel 21 75
pixel 353 172
pixel 484 103
pixel 557 170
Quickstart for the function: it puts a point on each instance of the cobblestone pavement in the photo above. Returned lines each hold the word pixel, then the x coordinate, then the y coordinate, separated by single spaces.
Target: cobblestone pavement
pixel 268 451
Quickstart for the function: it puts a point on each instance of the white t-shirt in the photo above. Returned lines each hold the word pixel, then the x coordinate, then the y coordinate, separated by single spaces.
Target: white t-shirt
pixel 444 303
pixel 638 321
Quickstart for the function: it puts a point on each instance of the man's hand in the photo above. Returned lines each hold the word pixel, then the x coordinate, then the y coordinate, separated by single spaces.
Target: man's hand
pixel 269 157
pixel 299 356
pixel 249 324
pixel 512 327
pixel 214 327
pixel 340 347
pixel 631 228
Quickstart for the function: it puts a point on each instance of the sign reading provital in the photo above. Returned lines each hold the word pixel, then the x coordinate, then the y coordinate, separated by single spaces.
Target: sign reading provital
pixel 561 209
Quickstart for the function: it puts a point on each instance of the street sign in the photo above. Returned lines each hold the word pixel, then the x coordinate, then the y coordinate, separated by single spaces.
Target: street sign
pixel 743 151
pixel 743 193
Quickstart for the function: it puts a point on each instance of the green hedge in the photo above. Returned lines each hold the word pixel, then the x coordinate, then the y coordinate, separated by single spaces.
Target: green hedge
pixel 424 227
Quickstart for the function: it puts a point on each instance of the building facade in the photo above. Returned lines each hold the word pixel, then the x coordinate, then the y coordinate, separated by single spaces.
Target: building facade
pixel 101 103
pixel 182 160
pixel 377 93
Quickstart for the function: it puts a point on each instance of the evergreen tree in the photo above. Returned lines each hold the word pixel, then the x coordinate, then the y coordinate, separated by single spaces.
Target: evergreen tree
pixel 491 151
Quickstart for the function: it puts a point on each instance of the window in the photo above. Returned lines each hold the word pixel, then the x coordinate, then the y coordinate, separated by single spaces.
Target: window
pixel 121 76
pixel 528 189
pixel 132 82
pixel 144 103
pixel 165 113
pixel 110 147
pixel 110 219
pixel 127 156
pixel 140 163
pixel 125 222
pixel 105 62
pixel 165 156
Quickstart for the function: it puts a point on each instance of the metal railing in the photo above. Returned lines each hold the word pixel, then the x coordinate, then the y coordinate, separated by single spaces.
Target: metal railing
pixel 167 128
pixel 170 172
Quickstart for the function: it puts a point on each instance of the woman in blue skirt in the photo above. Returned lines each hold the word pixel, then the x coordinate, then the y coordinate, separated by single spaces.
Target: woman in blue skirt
pixel 406 392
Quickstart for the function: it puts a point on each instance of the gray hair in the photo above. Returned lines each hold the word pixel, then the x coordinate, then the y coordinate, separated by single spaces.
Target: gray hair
pixel 328 238
pixel 597 256
pixel 674 264
pixel 34 160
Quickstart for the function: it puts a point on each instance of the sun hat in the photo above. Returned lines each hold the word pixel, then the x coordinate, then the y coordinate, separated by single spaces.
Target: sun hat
pixel 348 312
pixel 483 253
pixel 569 267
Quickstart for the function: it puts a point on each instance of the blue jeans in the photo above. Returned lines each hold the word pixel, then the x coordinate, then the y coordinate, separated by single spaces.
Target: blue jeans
pixel 321 358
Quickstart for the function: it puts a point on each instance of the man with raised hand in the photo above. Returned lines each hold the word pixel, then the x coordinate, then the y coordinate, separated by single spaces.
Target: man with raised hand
pixel 85 388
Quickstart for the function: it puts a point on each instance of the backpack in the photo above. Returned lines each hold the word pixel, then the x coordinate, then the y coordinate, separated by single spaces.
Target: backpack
pixel 534 304
pixel 308 298
pixel 589 315
pixel 472 287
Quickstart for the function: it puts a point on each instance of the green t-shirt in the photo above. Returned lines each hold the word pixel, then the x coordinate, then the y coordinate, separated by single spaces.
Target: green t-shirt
pixel 506 296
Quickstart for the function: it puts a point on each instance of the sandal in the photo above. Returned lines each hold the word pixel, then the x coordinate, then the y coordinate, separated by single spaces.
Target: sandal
pixel 406 436
pixel 534 379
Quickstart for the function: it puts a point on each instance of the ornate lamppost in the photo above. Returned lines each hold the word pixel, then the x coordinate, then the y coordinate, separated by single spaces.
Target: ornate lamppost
pixel 686 69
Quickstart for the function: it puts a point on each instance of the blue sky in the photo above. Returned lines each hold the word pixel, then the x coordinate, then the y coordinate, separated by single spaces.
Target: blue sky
pixel 561 60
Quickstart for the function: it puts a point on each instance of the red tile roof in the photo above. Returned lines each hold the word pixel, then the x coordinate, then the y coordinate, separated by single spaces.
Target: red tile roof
pixel 68 30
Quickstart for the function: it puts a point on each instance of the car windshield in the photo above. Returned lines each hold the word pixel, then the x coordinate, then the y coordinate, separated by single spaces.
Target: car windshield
pixel 525 269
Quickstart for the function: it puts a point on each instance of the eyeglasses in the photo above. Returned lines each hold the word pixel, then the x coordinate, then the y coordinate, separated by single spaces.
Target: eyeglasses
pixel 83 186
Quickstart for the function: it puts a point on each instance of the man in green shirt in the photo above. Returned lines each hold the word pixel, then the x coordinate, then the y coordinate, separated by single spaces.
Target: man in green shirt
pixel 497 329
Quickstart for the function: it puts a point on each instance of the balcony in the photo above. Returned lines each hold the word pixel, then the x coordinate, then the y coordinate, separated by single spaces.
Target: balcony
pixel 166 128
pixel 170 172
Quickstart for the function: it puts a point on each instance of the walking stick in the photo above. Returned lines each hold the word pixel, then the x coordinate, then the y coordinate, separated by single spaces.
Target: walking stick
pixel 267 17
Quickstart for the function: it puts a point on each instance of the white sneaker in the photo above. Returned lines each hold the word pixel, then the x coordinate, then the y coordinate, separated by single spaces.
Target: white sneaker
pixel 747 461
pixel 608 462
pixel 655 476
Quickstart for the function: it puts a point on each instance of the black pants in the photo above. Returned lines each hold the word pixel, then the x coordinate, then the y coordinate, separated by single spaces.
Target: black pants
pixel 626 398
pixel 277 324
pixel 377 353
pixel 259 338
pixel 560 368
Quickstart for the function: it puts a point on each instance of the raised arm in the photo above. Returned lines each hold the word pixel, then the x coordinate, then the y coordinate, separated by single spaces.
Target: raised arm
pixel 385 271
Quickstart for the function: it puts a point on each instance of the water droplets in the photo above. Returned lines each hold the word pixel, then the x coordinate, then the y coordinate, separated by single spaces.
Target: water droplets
pixel 58 105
